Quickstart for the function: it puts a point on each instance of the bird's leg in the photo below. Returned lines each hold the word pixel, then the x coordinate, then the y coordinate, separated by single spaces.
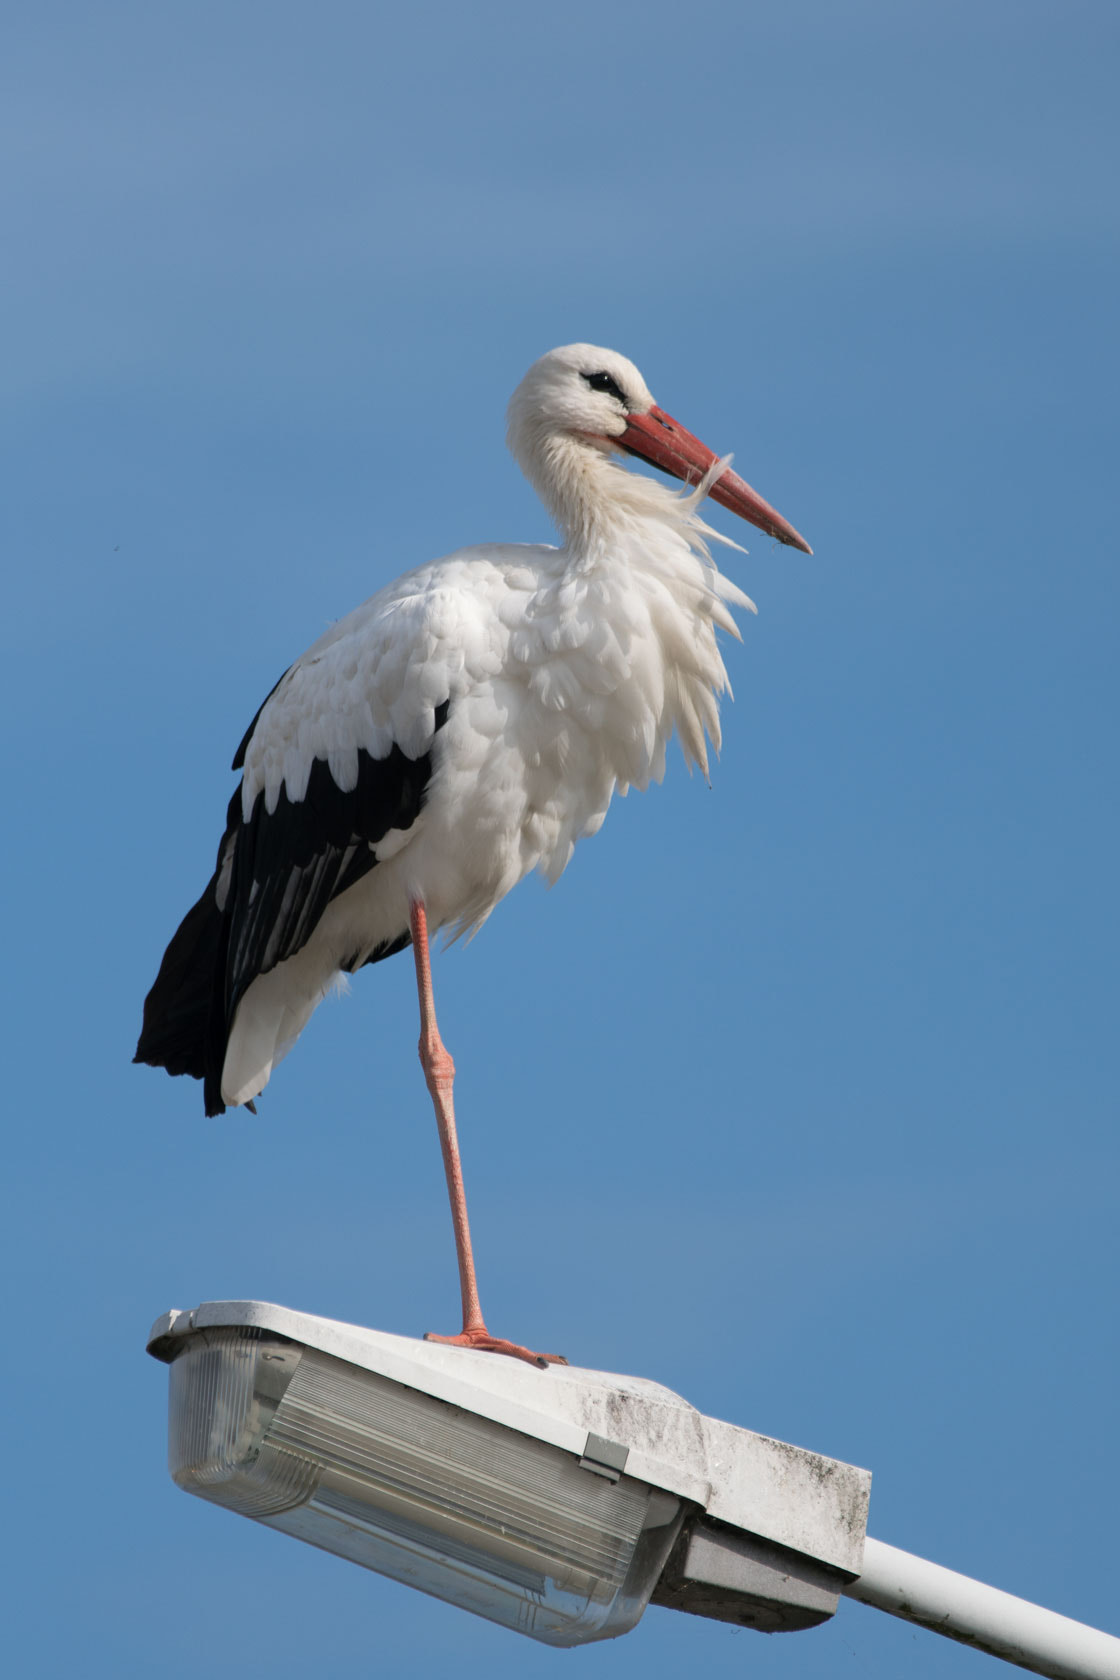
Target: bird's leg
pixel 439 1073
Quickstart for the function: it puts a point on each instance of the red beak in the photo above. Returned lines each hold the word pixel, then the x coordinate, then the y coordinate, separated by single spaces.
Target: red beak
pixel 656 437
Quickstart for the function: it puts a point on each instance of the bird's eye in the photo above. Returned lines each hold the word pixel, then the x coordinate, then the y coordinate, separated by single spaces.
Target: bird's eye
pixel 603 382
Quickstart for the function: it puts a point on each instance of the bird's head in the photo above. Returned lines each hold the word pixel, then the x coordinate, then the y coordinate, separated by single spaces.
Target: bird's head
pixel 597 400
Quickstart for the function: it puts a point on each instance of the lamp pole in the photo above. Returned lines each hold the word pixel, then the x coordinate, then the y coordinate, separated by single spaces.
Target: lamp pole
pixel 993 1621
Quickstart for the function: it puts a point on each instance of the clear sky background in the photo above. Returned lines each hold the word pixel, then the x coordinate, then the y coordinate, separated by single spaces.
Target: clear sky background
pixel 798 1094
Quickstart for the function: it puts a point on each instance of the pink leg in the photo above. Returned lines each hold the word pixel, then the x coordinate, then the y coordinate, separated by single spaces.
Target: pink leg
pixel 439 1072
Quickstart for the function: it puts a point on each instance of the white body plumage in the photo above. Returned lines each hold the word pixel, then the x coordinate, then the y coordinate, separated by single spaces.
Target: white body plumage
pixel 567 675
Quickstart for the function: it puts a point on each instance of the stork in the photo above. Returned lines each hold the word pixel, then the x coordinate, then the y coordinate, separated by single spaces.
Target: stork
pixel 468 724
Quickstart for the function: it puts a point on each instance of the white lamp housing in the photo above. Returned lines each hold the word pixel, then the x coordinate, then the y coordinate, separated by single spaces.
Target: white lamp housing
pixel 549 1501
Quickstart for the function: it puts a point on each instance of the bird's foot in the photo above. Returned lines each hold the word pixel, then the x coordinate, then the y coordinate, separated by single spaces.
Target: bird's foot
pixel 481 1339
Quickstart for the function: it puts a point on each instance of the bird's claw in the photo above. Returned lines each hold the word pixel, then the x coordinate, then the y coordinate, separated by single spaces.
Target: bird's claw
pixel 484 1342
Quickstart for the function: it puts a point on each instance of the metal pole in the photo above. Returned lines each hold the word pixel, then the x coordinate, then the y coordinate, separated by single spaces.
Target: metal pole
pixel 992 1621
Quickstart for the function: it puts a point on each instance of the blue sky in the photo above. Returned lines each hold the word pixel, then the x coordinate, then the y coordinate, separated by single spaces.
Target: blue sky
pixel 797 1094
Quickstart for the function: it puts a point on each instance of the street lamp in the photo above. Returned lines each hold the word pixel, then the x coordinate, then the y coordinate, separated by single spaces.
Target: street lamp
pixel 558 1503
pixel 555 1502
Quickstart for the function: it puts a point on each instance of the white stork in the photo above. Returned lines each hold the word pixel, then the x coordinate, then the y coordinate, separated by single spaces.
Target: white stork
pixel 469 723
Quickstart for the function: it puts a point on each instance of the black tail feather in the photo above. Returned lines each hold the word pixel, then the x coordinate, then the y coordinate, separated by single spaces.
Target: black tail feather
pixel 184 1027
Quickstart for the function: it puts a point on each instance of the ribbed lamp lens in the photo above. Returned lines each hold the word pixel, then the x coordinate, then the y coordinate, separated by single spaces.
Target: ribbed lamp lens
pixel 465 1509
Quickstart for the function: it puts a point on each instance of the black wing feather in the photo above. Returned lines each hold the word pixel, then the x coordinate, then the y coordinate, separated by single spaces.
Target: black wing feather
pixel 284 868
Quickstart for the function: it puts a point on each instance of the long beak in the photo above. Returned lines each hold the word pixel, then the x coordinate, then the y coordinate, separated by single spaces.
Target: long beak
pixel 656 437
